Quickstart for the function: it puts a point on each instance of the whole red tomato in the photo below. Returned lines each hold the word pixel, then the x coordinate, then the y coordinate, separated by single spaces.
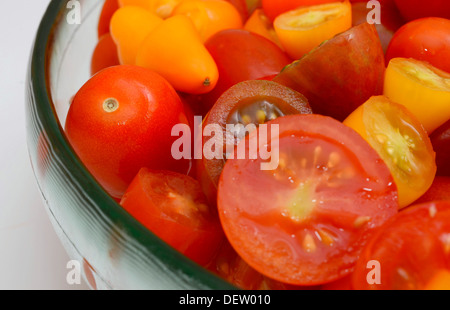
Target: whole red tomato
pixel 414 9
pixel 121 120
pixel 425 39
pixel 241 55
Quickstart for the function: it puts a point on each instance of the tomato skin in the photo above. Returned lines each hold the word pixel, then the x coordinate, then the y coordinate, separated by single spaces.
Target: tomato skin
pixel 255 206
pixel 411 248
pixel 439 190
pixel 355 73
pixel 414 9
pixel 115 145
pixel 105 54
pixel 172 206
pixel 108 9
pixel 440 139
pixel 390 19
pixel 241 55
pixel 426 39
pixel 273 8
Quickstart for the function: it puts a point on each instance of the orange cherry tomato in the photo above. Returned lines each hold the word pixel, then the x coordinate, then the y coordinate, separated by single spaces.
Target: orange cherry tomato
pixel 273 8
pixel 259 23
pixel 302 29
pixel 210 16
pixel 175 50
pixel 400 140
pixel 105 54
pixel 108 9
pixel 162 8
pixel 421 88
pixel 130 25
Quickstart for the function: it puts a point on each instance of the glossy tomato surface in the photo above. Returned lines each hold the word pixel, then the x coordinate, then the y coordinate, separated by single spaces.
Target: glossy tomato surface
pixel 440 139
pixel 120 120
pixel 274 8
pixel 341 74
pixel 411 251
pixel 414 9
pixel 172 206
pixel 305 221
pixel 425 39
pixel 241 55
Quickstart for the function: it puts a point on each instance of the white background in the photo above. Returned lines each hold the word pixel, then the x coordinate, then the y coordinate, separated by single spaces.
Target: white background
pixel 31 256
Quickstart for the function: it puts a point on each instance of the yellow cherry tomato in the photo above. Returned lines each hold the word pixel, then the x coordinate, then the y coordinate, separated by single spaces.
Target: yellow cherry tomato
pixel 440 281
pixel 401 141
pixel 302 29
pixel 421 88
pixel 129 26
pixel 162 8
pixel 210 16
pixel 175 50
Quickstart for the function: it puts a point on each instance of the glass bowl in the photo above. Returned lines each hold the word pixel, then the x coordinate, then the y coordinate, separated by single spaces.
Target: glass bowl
pixel 112 249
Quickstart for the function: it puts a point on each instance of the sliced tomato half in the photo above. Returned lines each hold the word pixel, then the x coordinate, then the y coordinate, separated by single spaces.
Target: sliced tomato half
pixel 305 222
pixel 412 250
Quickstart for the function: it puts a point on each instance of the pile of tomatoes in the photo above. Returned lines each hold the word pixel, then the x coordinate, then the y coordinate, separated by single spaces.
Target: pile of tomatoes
pixel 355 99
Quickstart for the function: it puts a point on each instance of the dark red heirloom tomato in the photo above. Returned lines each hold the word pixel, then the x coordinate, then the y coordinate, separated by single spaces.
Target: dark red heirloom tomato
pixel 414 9
pixel 440 139
pixel 121 120
pixel 426 39
pixel 108 9
pixel 390 19
pixel 411 250
pixel 241 55
pixel 305 222
pixel 173 207
pixel 246 103
pixel 341 74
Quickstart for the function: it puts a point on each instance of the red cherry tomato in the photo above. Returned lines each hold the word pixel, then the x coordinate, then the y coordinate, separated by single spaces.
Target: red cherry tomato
pixel 440 139
pixel 305 222
pixel 414 9
pixel 273 8
pixel 172 206
pixel 120 120
pixel 241 55
pixel 108 9
pixel 426 39
pixel 411 251
pixel 105 54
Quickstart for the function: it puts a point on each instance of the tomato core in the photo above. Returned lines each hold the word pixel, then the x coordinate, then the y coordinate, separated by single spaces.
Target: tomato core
pixel 110 105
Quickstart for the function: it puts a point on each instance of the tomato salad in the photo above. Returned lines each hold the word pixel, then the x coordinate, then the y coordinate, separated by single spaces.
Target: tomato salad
pixel 298 144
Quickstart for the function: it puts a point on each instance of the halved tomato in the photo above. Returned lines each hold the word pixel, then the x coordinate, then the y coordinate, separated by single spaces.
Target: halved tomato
pixel 421 88
pixel 302 29
pixel 173 207
pixel 396 134
pixel 246 103
pixel 439 190
pixel 412 250
pixel 341 74
pixel 305 222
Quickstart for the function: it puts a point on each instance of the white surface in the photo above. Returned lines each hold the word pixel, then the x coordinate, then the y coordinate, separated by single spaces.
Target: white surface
pixel 31 256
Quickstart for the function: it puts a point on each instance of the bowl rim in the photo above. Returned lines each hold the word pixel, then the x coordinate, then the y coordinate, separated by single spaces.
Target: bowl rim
pixel 39 77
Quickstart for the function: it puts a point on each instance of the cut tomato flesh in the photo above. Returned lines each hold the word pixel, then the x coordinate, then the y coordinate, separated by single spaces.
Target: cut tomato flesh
pixel 304 222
